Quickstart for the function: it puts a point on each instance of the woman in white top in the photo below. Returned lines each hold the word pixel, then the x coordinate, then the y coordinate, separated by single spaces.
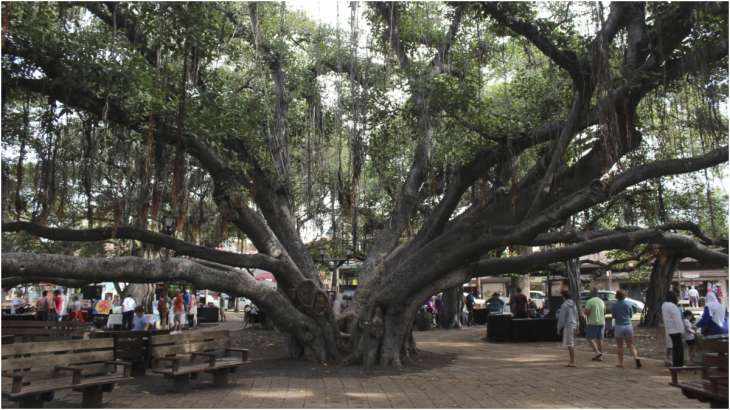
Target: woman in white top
pixel 674 327
pixel 194 311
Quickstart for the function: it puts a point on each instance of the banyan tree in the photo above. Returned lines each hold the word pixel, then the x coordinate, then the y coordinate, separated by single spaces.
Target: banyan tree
pixel 435 142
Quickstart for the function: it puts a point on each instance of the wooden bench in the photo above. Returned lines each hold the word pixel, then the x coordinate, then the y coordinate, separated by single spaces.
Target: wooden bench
pixel 183 350
pixel 32 372
pixel 39 331
pixel 132 346
pixel 713 386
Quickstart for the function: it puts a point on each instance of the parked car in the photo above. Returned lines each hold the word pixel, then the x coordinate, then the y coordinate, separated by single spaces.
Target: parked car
pixel 609 299
pixel 538 297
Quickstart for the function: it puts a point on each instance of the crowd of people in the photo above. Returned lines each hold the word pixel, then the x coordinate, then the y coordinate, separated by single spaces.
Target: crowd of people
pixel 54 306
pixel 680 327
pixel 175 313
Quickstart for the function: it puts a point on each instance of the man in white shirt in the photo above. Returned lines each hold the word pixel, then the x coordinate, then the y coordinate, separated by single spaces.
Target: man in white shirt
pixel 128 305
pixel 694 297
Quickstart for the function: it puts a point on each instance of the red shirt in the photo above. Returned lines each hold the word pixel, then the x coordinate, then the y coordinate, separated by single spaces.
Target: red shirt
pixel 178 304
pixel 518 304
pixel 58 300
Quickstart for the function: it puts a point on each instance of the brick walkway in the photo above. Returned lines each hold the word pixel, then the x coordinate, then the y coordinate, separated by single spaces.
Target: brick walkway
pixel 455 369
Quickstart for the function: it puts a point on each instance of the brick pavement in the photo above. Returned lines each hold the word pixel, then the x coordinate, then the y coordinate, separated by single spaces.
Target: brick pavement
pixel 456 369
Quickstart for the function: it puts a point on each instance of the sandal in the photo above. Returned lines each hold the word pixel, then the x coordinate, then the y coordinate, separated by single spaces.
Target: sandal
pixel 620 365
pixel 598 358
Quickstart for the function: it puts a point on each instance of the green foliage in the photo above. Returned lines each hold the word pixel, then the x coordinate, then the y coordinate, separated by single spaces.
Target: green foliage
pixel 496 86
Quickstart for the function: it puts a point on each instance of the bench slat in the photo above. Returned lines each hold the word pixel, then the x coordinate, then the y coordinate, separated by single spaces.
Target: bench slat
pixel 715 345
pixel 57 346
pixel 203 367
pixel 188 337
pixel 49 361
pixel 66 384
pixel 10 324
pixel 711 360
pixel 182 348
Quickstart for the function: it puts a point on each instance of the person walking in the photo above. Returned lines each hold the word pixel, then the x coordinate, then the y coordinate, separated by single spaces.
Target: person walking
pixel 439 305
pixel 63 313
pixel 623 330
pixel 595 311
pixel 51 304
pixel 186 302
pixel 714 320
pixel 193 311
pixel 128 306
pixel 469 303
pixel 57 305
pixel 41 306
pixel 694 297
pixel 673 327
pixel 223 304
pixel 178 309
pixel 164 312
pixel 76 309
pixel 518 304
pixel 568 324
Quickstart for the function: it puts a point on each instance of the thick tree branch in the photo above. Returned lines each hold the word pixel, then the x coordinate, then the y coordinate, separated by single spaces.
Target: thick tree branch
pixel 260 261
pixel 566 59
pixel 626 241
pixel 140 270
pixel 463 243
pixel 666 167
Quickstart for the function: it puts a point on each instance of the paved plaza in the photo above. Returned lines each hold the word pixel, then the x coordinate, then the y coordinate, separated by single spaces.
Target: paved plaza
pixel 456 368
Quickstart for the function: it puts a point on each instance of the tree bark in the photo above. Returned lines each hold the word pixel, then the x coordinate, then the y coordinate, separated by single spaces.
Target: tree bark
pixel 660 282
pixel 451 307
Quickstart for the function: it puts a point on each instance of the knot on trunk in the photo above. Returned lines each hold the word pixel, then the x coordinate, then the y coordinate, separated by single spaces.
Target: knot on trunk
pixel 313 300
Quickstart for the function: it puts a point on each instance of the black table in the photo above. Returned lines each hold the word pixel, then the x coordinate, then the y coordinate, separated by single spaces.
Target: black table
pixel 480 316
pixel 504 328
pixel 208 314
pixel 499 328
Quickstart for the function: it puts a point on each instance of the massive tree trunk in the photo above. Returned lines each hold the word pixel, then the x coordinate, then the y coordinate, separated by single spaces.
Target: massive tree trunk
pixel 660 282
pixel 142 293
pixel 452 303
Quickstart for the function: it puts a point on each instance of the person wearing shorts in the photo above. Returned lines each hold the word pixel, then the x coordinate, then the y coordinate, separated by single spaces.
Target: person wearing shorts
pixel 595 311
pixel 623 330
pixel 178 309
pixel 568 324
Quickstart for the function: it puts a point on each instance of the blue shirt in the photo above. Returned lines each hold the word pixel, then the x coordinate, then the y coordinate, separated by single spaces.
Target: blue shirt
pixel 622 313
pixel 186 298
pixel 140 322
pixel 495 305
pixel 709 327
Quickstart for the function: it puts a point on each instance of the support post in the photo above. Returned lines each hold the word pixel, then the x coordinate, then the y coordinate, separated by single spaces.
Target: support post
pixel 221 377
pixel 91 397
pixel 180 383
pixel 30 402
